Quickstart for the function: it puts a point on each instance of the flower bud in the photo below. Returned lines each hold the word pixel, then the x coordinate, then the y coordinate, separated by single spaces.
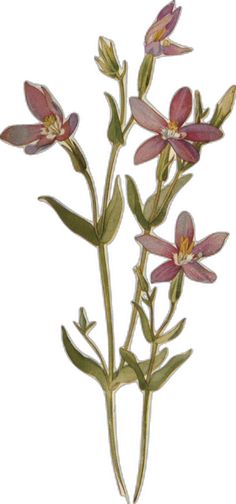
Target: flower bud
pixel 224 107
pixel 107 61
pixel 145 74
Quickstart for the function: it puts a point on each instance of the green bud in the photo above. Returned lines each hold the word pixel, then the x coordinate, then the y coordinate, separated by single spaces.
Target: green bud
pixel 176 287
pixel 107 61
pixel 224 107
pixel 145 74
pixel 83 319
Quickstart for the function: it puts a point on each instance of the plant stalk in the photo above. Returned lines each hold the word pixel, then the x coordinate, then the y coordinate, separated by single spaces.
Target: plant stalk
pixel 147 401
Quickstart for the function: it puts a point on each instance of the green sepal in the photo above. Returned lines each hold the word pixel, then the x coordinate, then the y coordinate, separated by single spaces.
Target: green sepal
pixel 164 201
pixel 160 377
pixel 224 107
pixel 76 155
pixel 114 132
pixel 144 323
pixel 145 74
pixel 127 374
pixel 135 203
pixel 173 333
pixel 113 214
pixel 176 287
pixel 108 62
pixel 164 164
pixel 199 112
pixel 77 224
pixel 82 362
pixel 132 361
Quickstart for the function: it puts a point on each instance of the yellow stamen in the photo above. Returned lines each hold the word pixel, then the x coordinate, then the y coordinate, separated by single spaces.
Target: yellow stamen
pixel 49 121
pixel 173 126
pixel 185 247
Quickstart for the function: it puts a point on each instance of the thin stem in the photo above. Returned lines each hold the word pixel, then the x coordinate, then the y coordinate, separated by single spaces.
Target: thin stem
pixel 104 270
pixel 111 418
pixel 147 400
pixel 123 95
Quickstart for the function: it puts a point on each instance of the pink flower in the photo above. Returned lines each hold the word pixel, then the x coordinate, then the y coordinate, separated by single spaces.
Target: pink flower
pixel 52 126
pixel 172 131
pixel 185 254
pixel 156 41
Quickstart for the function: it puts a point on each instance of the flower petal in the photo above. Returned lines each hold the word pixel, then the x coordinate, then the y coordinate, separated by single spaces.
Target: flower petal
pixel 201 132
pixel 171 26
pixel 181 106
pixel 157 246
pixel 37 101
pixel 211 244
pixel 149 149
pixel 154 48
pixel 146 116
pixel 53 105
pixel 184 228
pixel 165 273
pixel 168 9
pixel 21 134
pixel 172 49
pixel 157 30
pixel 69 127
pixel 43 144
pixel 185 150
pixel 199 273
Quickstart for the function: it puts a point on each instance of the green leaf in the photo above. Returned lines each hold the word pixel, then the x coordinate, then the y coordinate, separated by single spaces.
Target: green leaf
pixel 127 374
pixel 144 323
pixel 160 377
pixel 173 333
pixel 165 200
pixel 82 362
pixel 176 287
pixel 73 221
pixel 114 133
pixel 131 360
pixel 113 214
pixel 199 112
pixel 135 203
pixel 224 107
pixel 142 280
pixel 145 74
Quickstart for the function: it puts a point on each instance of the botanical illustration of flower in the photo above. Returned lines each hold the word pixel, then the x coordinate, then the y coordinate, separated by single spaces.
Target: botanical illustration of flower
pixel 38 137
pixel 185 254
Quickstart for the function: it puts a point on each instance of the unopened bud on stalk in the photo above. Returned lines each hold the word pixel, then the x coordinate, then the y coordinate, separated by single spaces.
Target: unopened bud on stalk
pixel 107 61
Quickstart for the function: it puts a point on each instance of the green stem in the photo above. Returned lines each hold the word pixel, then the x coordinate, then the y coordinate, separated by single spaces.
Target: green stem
pixel 91 186
pixel 104 270
pixel 147 400
pixel 111 418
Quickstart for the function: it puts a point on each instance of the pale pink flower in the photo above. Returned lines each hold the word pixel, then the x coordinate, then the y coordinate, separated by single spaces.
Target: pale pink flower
pixel 52 126
pixel 186 254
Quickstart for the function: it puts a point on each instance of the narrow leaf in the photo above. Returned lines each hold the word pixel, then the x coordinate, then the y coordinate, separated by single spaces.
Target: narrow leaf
pixel 173 333
pixel 114 133
pixel 160 377
pixel 145 74
pixel 142 280
pixel 127 374
pixel 73 221
pixel 113 214
pixel 165 200
pixel 135 203
pixel 144 323
pixel 82 362
pixel 131 359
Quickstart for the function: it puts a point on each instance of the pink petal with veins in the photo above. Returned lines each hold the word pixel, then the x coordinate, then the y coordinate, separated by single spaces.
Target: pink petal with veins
pixel 181 106
pixel 146 116
pixel 69 126
pixel 168 9
pixel 37 101
pixel 211 244
pixel 165 273
pixel 184 150
pixel 171 26
pixel 157 246
pixel 201 132
pixel 53 105
pixel 184 228
pixel 149 149
pixel 157 30
pixel 21 134
pixel 174 49
pixel 199 273
pixel 43 144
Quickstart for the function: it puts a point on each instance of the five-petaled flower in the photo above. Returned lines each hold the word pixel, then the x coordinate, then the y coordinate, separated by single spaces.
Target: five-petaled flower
pixel 156 41
pixel 172 131
pixel 185 254
pixel 52 127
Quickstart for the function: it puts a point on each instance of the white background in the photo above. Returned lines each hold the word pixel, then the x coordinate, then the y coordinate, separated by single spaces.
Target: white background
pixel 53 436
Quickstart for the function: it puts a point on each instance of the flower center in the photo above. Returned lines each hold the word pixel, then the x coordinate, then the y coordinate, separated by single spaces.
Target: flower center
pixel 52 126
pixel 171 131
pixel 184 254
